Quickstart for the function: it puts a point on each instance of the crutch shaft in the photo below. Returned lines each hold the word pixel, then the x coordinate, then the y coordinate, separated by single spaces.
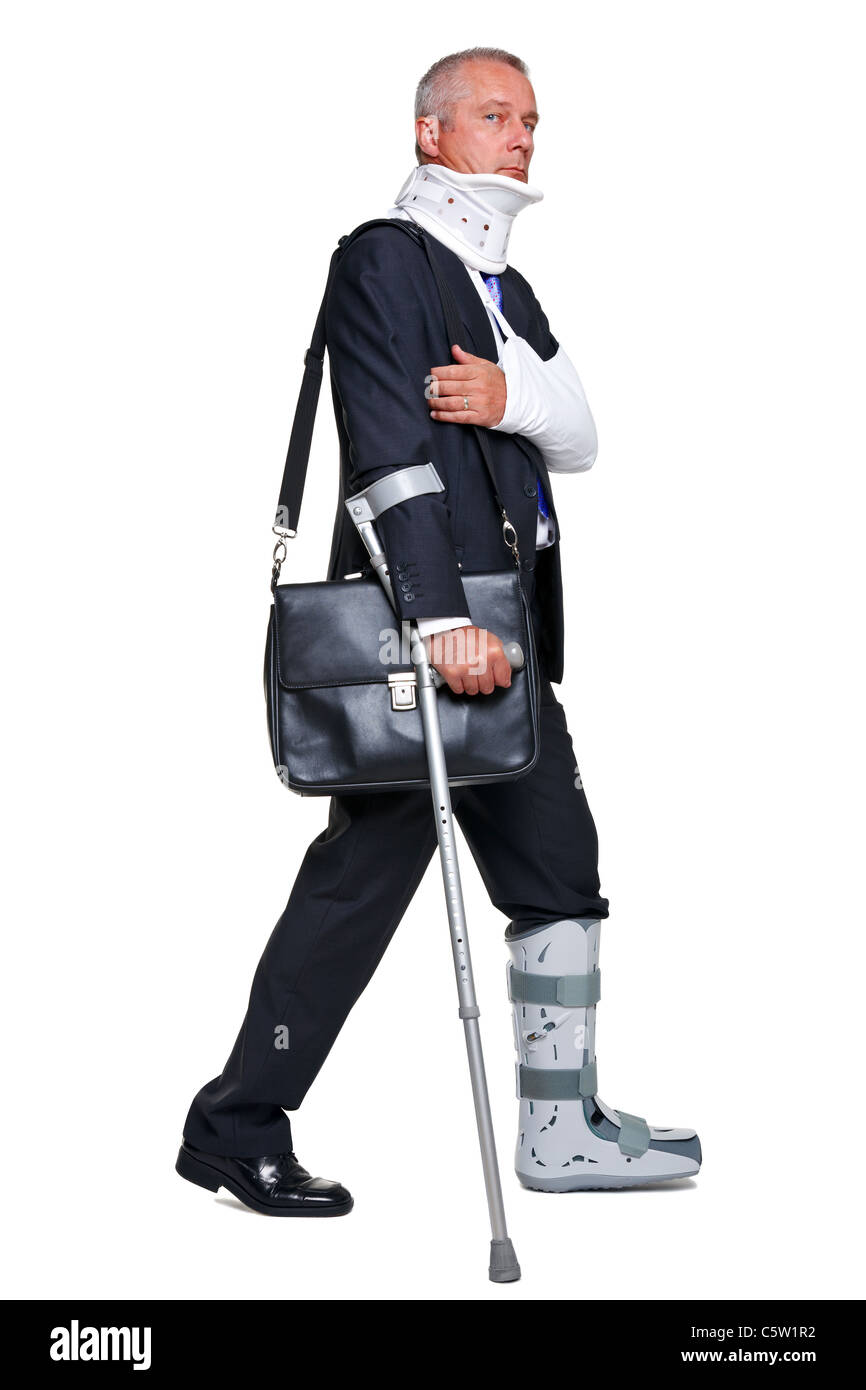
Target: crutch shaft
pixel 468 1006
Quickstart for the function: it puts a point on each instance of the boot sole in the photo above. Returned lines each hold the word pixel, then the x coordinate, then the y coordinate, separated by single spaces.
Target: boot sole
pixel 203 1175
pixel 598 1184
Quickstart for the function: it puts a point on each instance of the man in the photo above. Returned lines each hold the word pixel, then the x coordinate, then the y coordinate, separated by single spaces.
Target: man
pixel 403 395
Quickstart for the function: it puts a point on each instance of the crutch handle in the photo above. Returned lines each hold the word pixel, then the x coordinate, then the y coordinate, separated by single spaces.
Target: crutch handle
pixel 513 654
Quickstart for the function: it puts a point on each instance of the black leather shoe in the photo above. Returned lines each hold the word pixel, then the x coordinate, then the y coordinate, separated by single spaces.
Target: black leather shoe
pixel 274 1184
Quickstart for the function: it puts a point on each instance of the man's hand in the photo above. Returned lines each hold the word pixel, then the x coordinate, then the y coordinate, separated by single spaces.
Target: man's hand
pixel 480 381
pixel 470 658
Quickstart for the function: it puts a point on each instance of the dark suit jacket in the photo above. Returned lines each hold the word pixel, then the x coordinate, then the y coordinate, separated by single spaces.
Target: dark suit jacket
pixel 385 330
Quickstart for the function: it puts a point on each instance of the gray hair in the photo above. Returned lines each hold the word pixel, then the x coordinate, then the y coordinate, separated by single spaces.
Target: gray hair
pixel 444 84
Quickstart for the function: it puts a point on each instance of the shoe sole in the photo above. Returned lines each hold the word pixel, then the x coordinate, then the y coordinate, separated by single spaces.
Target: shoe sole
pixel 599 1184
pixel 203 1175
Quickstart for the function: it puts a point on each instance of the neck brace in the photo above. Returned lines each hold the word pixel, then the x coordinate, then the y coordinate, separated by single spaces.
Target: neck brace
pixel 471 214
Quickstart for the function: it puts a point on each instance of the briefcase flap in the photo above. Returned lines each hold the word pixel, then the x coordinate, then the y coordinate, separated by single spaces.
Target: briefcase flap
pixel 345 632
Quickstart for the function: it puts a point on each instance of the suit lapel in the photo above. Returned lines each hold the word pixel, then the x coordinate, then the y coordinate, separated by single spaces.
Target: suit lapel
pixel 475 318
pixel 514 306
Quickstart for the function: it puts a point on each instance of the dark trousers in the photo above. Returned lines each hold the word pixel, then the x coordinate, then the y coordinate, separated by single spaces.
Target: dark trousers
pixel 535 844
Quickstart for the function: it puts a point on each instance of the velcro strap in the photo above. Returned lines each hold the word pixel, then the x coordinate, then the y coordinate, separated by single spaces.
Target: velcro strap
pixel 556 1083
pixel 634 1135
pixel 571 991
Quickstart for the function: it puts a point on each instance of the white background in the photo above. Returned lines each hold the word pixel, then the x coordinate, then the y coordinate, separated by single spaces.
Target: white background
pixel 176 178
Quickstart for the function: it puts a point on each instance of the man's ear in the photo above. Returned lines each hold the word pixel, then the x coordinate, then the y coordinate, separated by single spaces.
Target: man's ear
pixel 427 134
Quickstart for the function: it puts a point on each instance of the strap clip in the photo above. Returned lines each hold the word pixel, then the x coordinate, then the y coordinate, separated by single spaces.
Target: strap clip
pixel 281 550
pixel 512 544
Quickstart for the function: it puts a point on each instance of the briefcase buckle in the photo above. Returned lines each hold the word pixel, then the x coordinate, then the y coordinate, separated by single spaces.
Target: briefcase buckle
pixel 402 686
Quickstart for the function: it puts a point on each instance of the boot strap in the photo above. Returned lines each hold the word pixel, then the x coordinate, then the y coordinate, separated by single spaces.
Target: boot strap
pixel 571 991
pixel 556 1083
pixel 553 1083
pixel 634 1135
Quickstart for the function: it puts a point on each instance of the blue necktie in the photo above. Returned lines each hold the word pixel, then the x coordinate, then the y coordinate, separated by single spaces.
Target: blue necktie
pixel 495 291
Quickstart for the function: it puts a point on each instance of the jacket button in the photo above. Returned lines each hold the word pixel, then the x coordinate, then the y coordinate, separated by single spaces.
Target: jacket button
pixel 405 586
pixel 529 490
pixel 401 574
pixel 409 598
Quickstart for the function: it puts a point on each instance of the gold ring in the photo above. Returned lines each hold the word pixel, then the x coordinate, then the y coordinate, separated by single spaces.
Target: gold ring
pixel 465 402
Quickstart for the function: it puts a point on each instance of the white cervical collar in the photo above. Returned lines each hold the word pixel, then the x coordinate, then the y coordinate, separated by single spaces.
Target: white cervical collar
pixel 470 213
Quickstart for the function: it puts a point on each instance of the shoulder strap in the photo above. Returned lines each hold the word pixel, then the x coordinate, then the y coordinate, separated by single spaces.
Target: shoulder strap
pixel 297 458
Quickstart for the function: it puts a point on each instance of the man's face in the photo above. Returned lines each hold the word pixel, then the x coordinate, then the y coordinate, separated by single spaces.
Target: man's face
pixel 493 126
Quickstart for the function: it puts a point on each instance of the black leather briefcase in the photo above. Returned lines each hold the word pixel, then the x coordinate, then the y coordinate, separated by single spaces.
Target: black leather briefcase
pixel 341 700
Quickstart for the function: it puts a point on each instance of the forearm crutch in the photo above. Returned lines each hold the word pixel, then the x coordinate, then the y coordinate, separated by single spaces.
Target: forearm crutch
pixel 364 508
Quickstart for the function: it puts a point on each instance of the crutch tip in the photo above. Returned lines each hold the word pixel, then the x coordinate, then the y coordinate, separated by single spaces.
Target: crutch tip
pixel 504 1268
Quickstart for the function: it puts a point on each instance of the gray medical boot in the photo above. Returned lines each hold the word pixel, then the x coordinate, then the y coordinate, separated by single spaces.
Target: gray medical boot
pixel 568 1138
